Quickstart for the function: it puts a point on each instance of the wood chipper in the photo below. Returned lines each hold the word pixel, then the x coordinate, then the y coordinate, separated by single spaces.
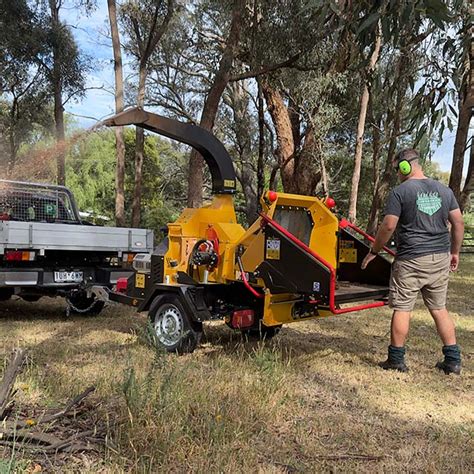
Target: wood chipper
pixel 296 261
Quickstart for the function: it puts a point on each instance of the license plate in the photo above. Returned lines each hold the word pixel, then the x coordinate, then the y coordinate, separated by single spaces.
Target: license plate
pixel 68 277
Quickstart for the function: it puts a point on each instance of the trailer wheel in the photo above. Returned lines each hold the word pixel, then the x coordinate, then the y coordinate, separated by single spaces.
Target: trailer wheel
pixel 261 332
pixel 173 329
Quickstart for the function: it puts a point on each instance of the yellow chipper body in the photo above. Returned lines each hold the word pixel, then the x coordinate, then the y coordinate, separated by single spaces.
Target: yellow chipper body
pixel 296 261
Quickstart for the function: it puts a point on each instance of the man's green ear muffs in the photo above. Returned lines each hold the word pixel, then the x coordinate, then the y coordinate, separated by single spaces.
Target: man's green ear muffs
pixel 405 167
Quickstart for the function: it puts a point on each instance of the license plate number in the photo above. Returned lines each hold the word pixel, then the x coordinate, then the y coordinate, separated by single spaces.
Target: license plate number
pixel 68 277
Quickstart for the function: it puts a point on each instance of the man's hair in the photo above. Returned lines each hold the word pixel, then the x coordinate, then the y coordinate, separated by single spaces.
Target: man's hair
pixel 408 154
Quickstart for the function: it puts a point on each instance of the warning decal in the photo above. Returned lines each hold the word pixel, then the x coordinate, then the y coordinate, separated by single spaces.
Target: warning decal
pixel 347 255
pixel 139 280
pixel 272 249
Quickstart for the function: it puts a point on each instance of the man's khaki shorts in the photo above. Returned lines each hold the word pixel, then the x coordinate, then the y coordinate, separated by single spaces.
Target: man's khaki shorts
pixel 428 274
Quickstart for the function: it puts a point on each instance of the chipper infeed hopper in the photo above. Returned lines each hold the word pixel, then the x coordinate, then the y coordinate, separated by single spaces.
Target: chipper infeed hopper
pixel 296 261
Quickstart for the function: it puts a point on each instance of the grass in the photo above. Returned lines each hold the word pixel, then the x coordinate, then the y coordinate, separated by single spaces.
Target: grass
pixel 311 400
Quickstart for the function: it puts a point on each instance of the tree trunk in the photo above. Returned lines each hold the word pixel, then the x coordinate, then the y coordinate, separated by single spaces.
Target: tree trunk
pixel 12 136
pixel 211 104
pixel 387 177
pixel 305 178
pixel 464 118
pixel 58 97
pixel 261 143
pixel 466 104
pixel 364 102
pixel 239 102
pixel 464 200
pixel 139 146
pixel 119 141
pixel 284 135
pixel 375 155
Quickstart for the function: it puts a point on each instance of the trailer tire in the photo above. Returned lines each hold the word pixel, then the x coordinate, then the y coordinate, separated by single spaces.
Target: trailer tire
pixel 173 329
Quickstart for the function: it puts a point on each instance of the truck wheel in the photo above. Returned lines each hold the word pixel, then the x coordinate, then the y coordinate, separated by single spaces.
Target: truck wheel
pixel 6 294
pixel 81 304
pixel 173 329
pixel 261 332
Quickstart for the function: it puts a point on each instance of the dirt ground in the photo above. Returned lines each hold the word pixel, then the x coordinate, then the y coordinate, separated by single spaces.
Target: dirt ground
pixel 310 400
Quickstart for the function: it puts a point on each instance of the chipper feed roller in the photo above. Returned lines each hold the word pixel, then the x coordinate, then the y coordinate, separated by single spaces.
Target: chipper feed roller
pixel 296 261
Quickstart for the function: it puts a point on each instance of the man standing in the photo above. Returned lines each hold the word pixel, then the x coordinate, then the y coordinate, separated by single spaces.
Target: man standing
pixel 419 209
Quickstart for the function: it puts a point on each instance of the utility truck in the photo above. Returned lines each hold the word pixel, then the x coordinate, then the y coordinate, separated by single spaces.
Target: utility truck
pixel 46 249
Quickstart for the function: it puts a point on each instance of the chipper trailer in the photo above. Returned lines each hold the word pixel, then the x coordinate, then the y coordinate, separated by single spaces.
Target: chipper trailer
pixel 297 261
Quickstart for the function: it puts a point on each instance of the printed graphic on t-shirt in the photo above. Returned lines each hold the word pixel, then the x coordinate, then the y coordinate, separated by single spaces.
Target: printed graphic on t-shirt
pixel 429 203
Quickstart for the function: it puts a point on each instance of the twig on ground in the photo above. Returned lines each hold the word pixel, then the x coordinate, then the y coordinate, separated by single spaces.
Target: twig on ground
pixel 354 456
pixel 8 381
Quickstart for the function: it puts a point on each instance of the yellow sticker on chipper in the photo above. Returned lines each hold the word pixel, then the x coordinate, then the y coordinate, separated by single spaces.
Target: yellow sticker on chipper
pixel 229 183
pixel 273 249
pixel 139 280
pixel 347 256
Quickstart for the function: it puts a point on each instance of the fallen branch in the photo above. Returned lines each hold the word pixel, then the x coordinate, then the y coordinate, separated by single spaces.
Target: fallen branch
pixel 71 435
pixel 69 406
pixel 343 457
pixel 8 381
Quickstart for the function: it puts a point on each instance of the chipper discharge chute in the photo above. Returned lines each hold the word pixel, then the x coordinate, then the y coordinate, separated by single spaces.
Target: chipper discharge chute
pixel 296 261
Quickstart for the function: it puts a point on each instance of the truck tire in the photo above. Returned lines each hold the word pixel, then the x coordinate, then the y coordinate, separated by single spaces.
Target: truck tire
pixel 6 294
pixel 173 329
pixel 81 304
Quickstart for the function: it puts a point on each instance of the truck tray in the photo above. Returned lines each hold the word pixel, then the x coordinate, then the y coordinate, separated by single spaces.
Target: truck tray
pixel 52 236
pixel 347 292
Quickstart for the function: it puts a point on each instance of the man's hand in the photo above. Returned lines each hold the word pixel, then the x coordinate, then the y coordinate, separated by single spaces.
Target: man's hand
pixel 454 262
pixel 368 258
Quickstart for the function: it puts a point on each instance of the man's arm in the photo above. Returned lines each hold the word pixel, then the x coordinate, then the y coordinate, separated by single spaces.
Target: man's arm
pixel 457 236
pixel 385 231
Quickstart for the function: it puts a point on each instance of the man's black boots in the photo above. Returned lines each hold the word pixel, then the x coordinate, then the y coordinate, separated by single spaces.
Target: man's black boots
pixel 395 360
pixel 452 360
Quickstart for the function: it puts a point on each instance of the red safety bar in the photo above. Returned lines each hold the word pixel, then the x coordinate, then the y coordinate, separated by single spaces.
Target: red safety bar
pixel 246 282
pixel 332 281
pixel 343 223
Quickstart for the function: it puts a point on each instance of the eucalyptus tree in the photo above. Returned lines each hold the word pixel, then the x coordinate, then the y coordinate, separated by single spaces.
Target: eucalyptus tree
pixel 24 93
pixel 66 67
pixel 144 23
pixel 119 101
pixel 463 79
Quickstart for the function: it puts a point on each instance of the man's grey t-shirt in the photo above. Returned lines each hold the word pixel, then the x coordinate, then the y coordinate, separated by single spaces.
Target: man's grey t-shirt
pixel 422 206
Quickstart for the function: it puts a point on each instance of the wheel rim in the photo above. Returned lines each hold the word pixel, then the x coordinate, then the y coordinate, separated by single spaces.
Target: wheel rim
pixel 169 325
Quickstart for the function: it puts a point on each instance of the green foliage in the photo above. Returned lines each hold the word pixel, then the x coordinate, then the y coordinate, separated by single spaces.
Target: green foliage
pixel 90 170
pixel 90 173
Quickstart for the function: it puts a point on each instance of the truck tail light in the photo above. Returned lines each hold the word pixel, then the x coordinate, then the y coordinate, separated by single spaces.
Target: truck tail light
pixel 19 256
pixel 128 257
pixel 243 318
pixel 122 285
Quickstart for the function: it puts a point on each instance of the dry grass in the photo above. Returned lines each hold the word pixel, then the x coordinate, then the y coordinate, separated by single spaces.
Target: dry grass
pixel 312 400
